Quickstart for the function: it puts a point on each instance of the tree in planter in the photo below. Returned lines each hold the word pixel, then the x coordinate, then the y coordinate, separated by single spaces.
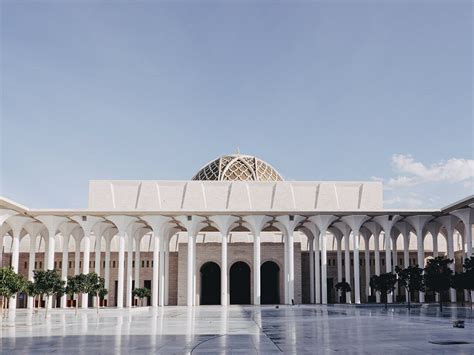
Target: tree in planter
pixel 141 293
pixel 344 287
pixel 94 285
pixel 438 276
pixel 48 283
pixel 384 283
pixel 411 278
pixel 468 267
pixel 10 284
pixel 33 291
pixel 76 285
pixel 102 293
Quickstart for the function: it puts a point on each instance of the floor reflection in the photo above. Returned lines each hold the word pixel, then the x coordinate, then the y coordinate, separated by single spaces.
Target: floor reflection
pixel 247 330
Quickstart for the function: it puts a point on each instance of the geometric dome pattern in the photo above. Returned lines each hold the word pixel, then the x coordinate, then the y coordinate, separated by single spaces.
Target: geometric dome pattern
pixel 238 167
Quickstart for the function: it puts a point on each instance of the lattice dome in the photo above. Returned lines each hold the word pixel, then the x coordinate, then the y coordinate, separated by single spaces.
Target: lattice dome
pixel 238 167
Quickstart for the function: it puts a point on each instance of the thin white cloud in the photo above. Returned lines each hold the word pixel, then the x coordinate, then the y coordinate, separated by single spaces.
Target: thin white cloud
pixel 415 184
pixel 412 172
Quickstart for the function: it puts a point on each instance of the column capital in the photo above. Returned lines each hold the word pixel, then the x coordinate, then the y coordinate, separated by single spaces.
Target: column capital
pixel 418 222
pixel 51 223
pixel 323 222
pixel 256 223
pixel 193 224
pixel 224 223
pixel 17 223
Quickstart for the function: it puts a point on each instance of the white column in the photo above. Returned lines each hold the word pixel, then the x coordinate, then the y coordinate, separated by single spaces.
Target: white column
pixel 77 256
pixel 15 251
pixel 418 223
pixel 64 269
pixel 324 268
pixel 406 258
pixel 107 267
pixel 31 267
pixel 51 248
pixel 317 269
pixel 285 271
pixel 97 263
pixel 395 263
pixel 45 255
pixel 190 284
pixel 291 268
pixel 85 265
pixel 97 254
pixel 194 271
pixel 347 266
pixel 15 260
pixel 129 270
pixel 339 266
pixel 421 257
pixel 224 285
pixel 311 271
pixel 161 290
pixel 377 261
pixel 256 269
pixel 452 291
pixel 388 260
pixel 156 261
pixel 137 263
pixel 356 268
pixel 367 268
pixel 121 268
pixel 167 271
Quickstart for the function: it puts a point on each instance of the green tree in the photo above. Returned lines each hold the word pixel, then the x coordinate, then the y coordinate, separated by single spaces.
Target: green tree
pixel 411 278
pixel 438 276
pixel 103 292
pixel 344 287
pixel 33 291
pixel 384 283
pixel 141 293
pixel 94 285
pixel 76 285
pixel 48 283
pixel 10 284
pixel 459 283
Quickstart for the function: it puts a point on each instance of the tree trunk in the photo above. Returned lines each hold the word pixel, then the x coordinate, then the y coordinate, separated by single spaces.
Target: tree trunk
pixel 440 301
pixel 1 307
pixel 97 302
pixel 408 300
pixel 46 311
pixel 77 302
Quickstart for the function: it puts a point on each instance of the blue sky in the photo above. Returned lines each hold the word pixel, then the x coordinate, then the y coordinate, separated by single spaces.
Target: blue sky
pixel 153 90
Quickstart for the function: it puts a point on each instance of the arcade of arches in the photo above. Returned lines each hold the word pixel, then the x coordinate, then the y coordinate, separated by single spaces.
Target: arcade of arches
pixel 236 234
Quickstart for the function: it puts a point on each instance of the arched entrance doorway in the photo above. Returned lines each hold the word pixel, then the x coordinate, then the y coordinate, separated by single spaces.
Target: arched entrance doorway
pixel 240 283
pixel 210 283
pixel 270 283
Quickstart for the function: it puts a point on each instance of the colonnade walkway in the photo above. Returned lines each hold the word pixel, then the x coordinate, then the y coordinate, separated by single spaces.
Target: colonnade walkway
pixel 311 329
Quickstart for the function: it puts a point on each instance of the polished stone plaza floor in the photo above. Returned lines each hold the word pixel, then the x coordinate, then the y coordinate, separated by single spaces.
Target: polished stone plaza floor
pixel 239 330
